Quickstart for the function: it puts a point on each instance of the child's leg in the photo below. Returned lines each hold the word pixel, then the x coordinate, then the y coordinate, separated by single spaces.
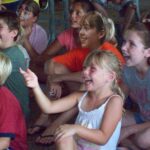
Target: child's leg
pixel 127 143
pixel 142 140
pixel 67 143
pixel 46 137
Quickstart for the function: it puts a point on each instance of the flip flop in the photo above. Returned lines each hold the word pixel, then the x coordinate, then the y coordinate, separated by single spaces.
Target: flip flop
pixel 40 128
pixel 50 143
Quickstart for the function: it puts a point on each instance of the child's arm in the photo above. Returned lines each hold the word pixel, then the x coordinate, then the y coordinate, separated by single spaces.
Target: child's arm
pixel 112 116
pixel 50 52
pixel 100 8
pixel 129 14
pixel 46 104
pixel 26 43
pixel 4 142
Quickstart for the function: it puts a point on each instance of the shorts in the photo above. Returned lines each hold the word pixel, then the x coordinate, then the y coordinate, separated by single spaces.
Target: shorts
pixel 138 118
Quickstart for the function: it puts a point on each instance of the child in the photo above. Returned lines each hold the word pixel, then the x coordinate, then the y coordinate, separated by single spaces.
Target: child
pixel 96 32
pixel 35 38
pixel 126 9
pixel 12 123
pixel 94 127
pixel 136 49
pixel 9 32
pixel 68 39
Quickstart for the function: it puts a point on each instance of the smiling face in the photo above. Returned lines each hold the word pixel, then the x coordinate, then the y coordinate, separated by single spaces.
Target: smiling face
pixel 76 14
pixel 89 37
pixel 6 35
pixel 133 49
pixel 94 77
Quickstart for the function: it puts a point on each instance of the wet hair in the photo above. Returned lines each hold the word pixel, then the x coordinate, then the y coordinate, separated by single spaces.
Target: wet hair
pixel 106 59
pixel 31 6
pixel 101 23
pixel 11 19
pixel 5 68
pixel 142 32
pixel 85 4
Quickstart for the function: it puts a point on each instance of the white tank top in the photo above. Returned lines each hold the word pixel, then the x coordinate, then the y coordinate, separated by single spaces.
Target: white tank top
pixel 92 120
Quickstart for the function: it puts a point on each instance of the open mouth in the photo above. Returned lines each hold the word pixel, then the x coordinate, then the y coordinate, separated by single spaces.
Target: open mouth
pixel 88 81
pixel 127 57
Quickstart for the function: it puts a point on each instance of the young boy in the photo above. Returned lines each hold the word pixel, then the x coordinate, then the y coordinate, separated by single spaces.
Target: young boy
pixel 9 31
pixel 12 123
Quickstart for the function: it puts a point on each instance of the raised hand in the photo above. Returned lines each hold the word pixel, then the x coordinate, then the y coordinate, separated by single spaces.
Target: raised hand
pixel 31 79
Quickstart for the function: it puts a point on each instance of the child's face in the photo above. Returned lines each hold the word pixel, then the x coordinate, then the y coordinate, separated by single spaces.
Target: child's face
pixel 6 36
pixel 89 37
pixel 95 77
pixel 76 15
pixel 133 49
pixel 26 17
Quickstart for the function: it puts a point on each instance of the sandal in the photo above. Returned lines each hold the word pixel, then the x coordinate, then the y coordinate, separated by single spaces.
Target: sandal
pixel 35 129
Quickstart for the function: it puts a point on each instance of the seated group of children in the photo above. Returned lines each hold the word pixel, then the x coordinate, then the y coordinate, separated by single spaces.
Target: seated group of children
pixel 92 65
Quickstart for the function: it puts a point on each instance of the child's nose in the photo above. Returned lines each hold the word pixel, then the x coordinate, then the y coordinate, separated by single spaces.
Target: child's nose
pixel 124 48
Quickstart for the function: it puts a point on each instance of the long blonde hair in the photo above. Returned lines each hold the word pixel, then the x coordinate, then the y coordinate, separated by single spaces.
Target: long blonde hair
pixel 106 59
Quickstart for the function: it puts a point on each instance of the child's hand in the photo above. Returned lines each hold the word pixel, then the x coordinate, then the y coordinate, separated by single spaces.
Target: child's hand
pixel 64 131
pixel 30 78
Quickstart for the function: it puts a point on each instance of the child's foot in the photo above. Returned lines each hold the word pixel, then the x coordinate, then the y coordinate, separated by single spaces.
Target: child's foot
pixel 41 123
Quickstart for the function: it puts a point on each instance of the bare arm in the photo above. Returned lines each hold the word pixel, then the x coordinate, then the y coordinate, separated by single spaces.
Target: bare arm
pixel 100 8
pixel 4 142
pixel 50 52
pixel 101 135
pixel 130 12
pixel 46 104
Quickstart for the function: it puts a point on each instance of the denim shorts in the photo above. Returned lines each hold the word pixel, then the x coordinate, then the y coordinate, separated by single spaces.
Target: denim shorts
pixel 138 118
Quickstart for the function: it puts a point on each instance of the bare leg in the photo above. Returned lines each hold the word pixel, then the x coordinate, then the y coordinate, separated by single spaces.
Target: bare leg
pixel 141 139
pixel 129 144
pixel 46 137
pixel 66 144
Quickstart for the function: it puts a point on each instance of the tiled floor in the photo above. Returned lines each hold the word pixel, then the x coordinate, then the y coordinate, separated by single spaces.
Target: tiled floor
pixel 44 21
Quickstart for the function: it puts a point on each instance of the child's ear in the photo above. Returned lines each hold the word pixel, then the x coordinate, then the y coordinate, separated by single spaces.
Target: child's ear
pixel 14 33
pixel 101 35
pixel 111 76
pixel 147 52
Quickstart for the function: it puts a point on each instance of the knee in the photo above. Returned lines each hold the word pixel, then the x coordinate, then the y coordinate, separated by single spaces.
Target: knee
pixel 142 139
pixel 61 144
pixel 52 67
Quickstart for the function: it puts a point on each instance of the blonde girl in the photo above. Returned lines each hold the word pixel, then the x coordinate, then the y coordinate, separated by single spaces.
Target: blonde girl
pixel 98 123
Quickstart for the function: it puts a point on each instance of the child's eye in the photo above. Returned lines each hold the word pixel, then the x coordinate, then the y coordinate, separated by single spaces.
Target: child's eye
pixel 132 43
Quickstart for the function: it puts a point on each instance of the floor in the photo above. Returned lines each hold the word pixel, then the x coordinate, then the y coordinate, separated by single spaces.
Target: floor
pixel 44 21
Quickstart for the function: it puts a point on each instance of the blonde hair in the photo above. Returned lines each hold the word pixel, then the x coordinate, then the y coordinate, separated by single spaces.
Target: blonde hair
pixel 102 24
pixel 5 68
pixel 106 59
